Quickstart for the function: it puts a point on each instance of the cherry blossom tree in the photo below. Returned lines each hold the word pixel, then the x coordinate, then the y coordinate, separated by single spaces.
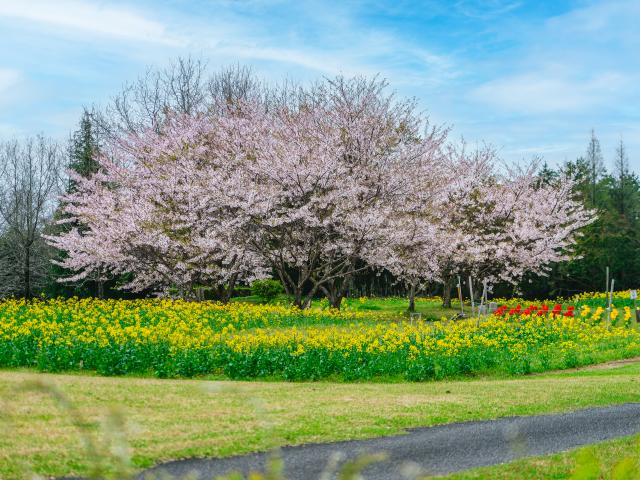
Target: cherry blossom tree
pixel 330 178
pixel 499 223
pixel 492 221
pixel 158 208
pixel 313 184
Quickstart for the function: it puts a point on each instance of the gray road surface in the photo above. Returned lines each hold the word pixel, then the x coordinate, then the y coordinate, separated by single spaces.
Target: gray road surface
pixel 436 450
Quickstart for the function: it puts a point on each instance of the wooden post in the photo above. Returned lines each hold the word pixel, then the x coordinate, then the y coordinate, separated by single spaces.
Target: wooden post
pixel 485 293
pixel 483 302
pixel 473 304
pixel 460 296
pixel 610 300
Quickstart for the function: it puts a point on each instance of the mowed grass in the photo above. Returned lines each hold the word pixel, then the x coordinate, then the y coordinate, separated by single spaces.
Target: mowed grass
pixel 601 462
pixel 170 419
pixel 392 308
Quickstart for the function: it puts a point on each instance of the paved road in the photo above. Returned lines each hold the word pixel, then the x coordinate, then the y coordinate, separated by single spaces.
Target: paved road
pixel 437 450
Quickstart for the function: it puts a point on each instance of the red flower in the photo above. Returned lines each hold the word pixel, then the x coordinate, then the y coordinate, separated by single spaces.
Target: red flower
pixel 515 310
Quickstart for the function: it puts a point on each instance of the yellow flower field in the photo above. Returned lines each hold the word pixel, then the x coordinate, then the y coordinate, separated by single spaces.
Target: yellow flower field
pixel 178 338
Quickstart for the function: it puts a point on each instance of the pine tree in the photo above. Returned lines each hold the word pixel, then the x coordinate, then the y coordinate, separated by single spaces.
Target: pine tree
pixel 595 162
pixel 547 175
pixel 622 179
pixel 83 148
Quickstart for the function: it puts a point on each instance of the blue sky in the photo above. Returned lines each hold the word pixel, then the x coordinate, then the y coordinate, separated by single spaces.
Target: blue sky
pixel 530 77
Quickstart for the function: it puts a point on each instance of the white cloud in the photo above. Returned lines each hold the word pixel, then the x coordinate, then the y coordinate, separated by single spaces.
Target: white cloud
pixel 612 17
pixel 334 40
pixel 485 10
pixel 529 151
pixel 8 79
pixel 8 131
pixel 549 92
pixel 572 63
pixel 301 58
pixel 97 18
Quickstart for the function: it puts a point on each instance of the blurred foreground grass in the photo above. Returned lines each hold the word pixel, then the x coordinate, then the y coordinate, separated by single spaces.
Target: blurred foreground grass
pixel 169 419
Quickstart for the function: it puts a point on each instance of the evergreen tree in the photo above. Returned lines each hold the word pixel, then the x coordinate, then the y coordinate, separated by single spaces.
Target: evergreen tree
pixel 623 181
pixel 547 175
pixel 595 162
pixel 83 148
pixel 611 241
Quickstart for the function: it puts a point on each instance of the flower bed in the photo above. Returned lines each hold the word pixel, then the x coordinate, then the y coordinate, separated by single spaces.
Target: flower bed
pixel 585 311
pixel 174 338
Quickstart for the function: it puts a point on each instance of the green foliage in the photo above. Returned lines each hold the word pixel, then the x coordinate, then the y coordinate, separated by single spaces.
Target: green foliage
pixel 188 339
pixel 587 466
pixel 84 148
pixel 82 153
pixel 267 289
pixel 613 240
pixel 240 291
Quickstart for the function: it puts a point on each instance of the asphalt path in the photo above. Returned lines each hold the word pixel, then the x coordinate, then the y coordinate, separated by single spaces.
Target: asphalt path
pixel 432 450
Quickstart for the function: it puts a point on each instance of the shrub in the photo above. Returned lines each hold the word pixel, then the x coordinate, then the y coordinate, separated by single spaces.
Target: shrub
pixel 242 291
pixel 267 289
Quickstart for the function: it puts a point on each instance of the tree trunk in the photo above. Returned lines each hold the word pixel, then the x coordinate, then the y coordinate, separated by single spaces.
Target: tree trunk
pixel 228 292
pixel 412 297
pixel 308 298
pixel 292 287
pixel 27 273
pixel 297 298
pixel 336 301
pixel 100 289
pixel 334 294
pixel 336 290
pixel 217 292
pixel 446 292
pixel 199 293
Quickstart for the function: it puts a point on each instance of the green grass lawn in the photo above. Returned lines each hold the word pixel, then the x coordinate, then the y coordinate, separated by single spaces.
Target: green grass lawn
pixel 600 462
pixel 392 308
pixel 395 307
pixel 169 419
pixel 432 309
